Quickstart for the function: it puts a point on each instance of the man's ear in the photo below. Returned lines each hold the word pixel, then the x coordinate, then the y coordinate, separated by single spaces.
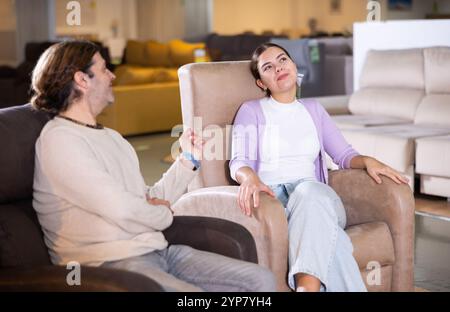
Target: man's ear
pixel 260 84
pixel 80 80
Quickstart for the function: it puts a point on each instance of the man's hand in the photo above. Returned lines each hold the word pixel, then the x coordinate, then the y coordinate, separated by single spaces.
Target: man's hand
pixel 192 143
pixel 157 201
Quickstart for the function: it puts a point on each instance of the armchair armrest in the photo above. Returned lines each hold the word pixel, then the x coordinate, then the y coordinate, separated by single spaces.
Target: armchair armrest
pixel 268 225
pixel 215 235
pixel 365 201
pixel 53 278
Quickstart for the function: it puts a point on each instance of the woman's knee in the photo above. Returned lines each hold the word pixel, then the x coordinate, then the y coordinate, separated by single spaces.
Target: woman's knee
pixel 318 198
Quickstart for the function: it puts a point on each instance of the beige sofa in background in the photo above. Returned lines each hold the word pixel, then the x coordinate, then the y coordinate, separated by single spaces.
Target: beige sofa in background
pixel 145 108
pixel 404 98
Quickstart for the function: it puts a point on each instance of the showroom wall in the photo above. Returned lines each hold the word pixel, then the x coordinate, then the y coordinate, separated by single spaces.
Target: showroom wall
pixel 235 16
pixel 7 32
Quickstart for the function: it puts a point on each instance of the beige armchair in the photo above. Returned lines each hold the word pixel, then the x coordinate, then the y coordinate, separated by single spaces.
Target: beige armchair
pixel 380 217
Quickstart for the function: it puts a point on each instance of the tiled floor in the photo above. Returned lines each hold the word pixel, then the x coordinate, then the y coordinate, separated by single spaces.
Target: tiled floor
pixel 432 238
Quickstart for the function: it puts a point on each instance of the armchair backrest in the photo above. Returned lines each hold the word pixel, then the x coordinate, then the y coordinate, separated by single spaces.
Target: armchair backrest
pixel 215 91
pixel 21 239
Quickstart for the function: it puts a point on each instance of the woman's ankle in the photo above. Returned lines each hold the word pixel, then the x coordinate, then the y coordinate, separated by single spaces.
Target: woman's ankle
pixel 307 283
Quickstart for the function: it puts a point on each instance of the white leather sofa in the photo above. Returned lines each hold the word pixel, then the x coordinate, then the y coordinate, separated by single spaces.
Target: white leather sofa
pixel 433 165
pixel 404 103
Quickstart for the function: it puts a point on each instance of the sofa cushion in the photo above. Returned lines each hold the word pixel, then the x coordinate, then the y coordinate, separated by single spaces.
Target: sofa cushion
pixel 135 53
pixel 372 242
pixel 361 121
pixel 135 75
pixel 393 102
pixel 393 145
pixel 394 69
pixel 395 151
pixel 437 69
pixel 183 52
pixel 21 238
pixel 434 110
pixel 20 126
pixel 157 54
pixel 433 156
pixel 385 278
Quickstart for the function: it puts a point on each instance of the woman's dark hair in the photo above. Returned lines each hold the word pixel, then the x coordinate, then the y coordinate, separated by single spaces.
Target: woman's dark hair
pixel 255 59
pixel 52 80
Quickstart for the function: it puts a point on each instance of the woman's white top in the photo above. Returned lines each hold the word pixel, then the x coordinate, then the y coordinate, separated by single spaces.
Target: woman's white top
pixel 290 143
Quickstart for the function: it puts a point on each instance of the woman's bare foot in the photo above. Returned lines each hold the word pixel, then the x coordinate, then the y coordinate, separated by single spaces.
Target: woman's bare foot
pixel 307 283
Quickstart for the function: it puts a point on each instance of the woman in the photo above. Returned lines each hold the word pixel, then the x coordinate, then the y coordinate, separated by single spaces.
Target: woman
pixel 278 147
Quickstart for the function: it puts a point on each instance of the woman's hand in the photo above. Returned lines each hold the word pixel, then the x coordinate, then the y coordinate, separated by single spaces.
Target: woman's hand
pixel 376 168
pixel 250 187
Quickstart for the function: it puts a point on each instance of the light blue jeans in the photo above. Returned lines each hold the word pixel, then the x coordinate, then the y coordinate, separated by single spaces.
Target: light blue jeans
pixel 182 268
pixel 318 244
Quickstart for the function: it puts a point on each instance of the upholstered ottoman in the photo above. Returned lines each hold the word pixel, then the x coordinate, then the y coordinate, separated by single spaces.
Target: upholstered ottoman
pixel 433 165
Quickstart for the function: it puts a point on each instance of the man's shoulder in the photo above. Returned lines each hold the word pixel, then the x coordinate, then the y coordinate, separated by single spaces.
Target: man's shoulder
pixel 59 132
pixel 56 127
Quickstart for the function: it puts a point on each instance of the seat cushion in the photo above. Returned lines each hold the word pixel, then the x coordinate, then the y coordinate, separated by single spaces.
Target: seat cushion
pixel 434 110
pixel 393 145
pixel 361 121
pixel 385 279
pixel 372 242
pixel 433 156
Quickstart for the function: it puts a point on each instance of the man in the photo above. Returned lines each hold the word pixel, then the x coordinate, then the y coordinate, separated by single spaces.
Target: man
pixel 92 202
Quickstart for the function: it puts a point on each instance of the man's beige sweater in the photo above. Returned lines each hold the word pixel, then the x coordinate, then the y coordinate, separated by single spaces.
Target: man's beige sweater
pixel 90 195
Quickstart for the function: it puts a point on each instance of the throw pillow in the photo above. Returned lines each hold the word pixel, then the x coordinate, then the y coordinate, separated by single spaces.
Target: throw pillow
pixel 157 54
pixel 131 75
pixel 135 53
pixel 182 52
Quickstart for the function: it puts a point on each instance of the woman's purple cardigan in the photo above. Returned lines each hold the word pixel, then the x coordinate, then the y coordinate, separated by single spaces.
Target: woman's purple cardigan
pixel 330 138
